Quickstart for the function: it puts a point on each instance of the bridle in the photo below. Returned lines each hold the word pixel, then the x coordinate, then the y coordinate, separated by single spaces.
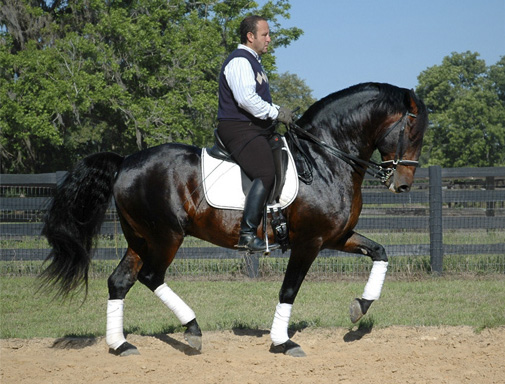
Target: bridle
pixel 390 165
pixel 382 171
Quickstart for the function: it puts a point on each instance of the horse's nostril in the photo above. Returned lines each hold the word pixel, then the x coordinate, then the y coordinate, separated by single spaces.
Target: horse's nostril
pixel 403 188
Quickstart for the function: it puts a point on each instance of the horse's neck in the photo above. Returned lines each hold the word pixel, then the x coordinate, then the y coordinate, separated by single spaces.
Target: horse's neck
pixel 355 142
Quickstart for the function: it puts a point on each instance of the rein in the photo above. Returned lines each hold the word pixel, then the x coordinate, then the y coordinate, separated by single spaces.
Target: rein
pixel 382 171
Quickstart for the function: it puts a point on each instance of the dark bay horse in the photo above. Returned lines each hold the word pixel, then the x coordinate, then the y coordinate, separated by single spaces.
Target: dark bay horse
pixel 159 201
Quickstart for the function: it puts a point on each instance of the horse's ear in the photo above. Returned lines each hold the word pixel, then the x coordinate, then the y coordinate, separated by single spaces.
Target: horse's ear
pixel 410 101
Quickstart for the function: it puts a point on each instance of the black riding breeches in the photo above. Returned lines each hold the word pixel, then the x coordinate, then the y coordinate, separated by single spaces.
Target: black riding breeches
pixel 249 147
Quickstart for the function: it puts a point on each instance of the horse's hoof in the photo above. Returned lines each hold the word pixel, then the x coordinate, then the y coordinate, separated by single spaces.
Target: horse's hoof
pixel 355 311
pixel 193 335
pixel 125 349
pixel 194 341
pixel 289 348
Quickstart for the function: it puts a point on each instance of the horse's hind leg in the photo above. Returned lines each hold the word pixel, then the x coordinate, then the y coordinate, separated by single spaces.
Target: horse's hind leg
pixel 357 243
pixel 122 279
pixel 120 282
pixel 152 275
pixel 182 311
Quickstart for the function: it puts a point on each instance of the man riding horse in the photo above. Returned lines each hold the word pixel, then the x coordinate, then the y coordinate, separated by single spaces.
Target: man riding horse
pixel 245 115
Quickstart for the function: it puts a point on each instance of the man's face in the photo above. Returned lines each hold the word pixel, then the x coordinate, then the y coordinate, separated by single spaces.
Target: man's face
pixel 259 43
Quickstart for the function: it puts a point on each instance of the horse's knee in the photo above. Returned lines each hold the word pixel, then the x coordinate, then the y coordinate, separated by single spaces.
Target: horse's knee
pixel 287 295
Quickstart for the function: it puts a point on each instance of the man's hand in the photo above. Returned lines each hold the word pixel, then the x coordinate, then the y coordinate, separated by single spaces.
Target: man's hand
pixel 285 116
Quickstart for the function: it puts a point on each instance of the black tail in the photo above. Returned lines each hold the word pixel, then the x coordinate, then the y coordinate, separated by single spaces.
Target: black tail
pixel 75 217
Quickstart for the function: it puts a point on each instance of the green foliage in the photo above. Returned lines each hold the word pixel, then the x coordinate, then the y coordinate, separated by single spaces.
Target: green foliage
pixel 466 100
pixel 88 76
pixel 497 77
pixel 290 91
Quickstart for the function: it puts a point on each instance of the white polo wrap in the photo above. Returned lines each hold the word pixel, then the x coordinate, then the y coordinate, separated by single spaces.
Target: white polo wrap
pixel 279 331
pixel 373 287
pixel 183 312
pixel 114 336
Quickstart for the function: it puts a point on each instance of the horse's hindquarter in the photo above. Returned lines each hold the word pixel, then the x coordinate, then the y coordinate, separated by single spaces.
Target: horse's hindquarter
pixel 160 190
pixel 152 186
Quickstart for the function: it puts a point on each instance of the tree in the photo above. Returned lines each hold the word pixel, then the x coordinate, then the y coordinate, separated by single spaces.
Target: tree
pixel 497 77
pixel 290 91
pixel 466 101
pixel 84 76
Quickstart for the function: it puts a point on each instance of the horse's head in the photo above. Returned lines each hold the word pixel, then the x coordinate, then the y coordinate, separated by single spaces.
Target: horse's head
pixel 400 143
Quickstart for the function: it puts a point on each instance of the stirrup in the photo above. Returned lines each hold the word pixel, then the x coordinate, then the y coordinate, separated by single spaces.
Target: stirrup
pixel 252 243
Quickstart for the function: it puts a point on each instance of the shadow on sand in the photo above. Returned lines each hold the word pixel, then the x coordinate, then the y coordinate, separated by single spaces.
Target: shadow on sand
pixel 365 327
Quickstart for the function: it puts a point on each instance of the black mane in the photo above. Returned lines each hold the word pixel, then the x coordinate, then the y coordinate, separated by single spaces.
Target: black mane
pixel 353 105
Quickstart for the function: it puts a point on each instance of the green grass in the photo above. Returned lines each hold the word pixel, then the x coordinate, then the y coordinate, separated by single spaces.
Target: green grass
pixel 109 241
pixel 272 267
pixel 401 267
pixel 247 304
pixel 476 236
pixel 385 237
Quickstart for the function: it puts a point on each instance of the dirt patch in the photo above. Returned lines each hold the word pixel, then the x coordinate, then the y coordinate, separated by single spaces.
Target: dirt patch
pixel 390 355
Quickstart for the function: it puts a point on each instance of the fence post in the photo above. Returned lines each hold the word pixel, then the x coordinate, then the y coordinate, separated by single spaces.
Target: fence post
pixel 60 177
pixel 490 205
pixel 436 230
pixel 252 264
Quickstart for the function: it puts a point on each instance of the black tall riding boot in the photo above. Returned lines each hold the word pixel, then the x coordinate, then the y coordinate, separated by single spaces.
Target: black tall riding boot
pixel 253 211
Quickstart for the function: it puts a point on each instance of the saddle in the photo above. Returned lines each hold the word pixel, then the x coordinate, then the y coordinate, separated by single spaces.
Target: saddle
pixel 226 185
pixel 281 159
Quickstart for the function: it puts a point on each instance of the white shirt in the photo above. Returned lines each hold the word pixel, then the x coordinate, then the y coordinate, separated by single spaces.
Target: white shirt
pixel 241 80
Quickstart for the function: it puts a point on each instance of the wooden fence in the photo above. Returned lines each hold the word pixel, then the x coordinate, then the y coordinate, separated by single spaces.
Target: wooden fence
pixel 441 201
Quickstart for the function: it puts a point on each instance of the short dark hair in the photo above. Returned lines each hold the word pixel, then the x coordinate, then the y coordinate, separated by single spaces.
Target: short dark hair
pixel 249 24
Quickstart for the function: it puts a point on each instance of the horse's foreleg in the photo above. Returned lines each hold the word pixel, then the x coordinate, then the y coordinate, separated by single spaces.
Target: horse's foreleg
pixel 298 266
pixel 120 282
pixel 373 288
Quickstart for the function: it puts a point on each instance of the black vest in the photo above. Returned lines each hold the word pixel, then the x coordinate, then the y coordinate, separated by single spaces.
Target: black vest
pixel 228 108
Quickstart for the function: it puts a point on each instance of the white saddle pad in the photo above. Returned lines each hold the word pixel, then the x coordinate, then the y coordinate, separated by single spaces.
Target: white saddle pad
pixel 222 182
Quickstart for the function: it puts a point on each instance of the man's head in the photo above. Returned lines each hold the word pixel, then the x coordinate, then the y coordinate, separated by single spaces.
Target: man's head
pixel 255 33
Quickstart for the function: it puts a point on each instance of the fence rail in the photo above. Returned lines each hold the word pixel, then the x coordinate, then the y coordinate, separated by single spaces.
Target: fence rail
pixel 463 203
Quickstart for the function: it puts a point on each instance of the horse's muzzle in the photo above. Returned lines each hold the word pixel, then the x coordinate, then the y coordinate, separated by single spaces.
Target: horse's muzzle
pixel 399 183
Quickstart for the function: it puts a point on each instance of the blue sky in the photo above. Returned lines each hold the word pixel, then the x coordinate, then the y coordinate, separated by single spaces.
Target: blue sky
pixel 346 42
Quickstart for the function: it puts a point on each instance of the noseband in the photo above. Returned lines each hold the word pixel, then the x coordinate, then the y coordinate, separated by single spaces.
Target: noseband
pixel 382 171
